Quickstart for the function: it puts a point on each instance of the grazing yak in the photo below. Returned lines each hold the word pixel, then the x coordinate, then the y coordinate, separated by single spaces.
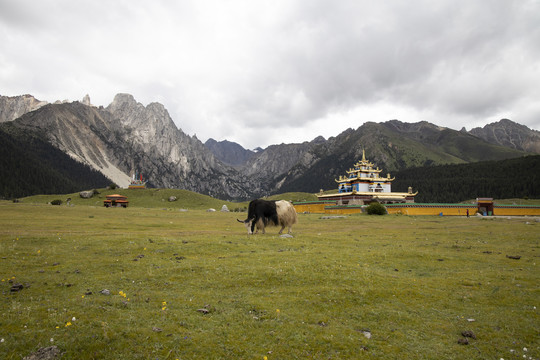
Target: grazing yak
pixel 262 213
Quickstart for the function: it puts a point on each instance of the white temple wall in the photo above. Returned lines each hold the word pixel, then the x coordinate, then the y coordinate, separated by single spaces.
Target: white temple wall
pixel 363 187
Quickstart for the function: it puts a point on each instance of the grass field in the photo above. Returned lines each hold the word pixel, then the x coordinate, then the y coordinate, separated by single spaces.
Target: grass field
pixel 159 198
pixel 193 285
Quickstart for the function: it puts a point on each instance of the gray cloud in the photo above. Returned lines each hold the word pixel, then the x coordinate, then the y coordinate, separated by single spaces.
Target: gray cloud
pixel 260 73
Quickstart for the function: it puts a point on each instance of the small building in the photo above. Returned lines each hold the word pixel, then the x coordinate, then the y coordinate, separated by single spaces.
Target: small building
pixel 116 200
pixel 364 184
pixel 137 181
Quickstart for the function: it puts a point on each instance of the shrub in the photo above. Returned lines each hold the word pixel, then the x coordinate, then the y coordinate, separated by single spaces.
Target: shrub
pixel 113 186
pixel 375 209
pixel 56 202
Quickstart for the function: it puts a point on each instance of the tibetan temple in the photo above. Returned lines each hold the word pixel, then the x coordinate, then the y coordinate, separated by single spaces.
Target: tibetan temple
pixel 364 184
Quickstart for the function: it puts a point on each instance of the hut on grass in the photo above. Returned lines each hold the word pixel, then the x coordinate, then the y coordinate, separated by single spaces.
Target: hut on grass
pixel 116 200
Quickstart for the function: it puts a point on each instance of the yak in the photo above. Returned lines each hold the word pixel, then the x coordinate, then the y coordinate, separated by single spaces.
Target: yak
pixel 262 213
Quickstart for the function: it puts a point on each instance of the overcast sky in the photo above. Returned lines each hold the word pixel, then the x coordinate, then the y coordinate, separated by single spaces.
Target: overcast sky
pixel 266 72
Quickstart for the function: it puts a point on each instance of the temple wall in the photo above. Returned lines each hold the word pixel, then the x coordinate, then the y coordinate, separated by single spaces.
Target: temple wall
pixel 516 210
pixel 316 207
pixel 343 210
pixel 322 207
pixel 461 210
pixel 362 187
pixel 445 210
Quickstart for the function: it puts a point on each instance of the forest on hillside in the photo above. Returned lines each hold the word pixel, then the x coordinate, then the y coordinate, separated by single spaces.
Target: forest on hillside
pixel 29 165
pixel 505 179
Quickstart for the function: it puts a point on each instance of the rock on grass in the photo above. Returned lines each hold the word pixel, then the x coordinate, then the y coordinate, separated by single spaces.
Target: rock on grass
pixel 468 333
pixel 48 353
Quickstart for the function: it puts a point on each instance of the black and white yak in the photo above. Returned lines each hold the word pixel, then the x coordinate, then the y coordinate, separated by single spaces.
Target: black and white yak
pixel 262 213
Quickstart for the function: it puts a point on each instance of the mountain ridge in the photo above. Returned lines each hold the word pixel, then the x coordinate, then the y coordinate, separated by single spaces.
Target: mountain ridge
pixel 507 133
pixel 127 136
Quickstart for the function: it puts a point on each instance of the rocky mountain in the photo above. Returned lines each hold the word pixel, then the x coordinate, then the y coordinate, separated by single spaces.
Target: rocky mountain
pixel 510 134
pixel 392 146
pixel 12 107
pixel 229 152
pixel 127 136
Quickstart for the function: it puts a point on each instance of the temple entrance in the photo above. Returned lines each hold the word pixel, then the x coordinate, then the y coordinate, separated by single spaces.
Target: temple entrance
pixel 485 206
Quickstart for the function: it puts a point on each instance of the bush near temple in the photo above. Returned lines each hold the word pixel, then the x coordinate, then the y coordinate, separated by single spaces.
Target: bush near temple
pixel 376 208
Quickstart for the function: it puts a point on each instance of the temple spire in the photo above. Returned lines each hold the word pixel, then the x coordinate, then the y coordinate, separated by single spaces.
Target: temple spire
pixel 363 155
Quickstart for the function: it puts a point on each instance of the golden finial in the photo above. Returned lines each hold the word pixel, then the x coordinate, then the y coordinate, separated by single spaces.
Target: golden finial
pixel 363 155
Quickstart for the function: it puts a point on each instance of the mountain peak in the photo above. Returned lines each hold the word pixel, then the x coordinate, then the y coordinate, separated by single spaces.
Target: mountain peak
pixel 507 133
pixel 318 140
pixel 13 107
pixel 229 152
pixel 122 100
pixel 86 100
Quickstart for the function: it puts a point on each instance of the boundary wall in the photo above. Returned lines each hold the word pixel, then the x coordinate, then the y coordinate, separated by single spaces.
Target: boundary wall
pixel 329 207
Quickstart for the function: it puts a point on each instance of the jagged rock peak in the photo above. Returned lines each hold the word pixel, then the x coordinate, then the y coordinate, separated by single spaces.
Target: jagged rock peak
pixel 134 114
pixel 13 107
pixel 123 100
pixel 86 100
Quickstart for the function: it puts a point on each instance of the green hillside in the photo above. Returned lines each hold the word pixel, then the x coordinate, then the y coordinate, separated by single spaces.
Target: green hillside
pixel 146 198
pixel 30 165
pixel 392 150
pixel 512 178
pixel 159 198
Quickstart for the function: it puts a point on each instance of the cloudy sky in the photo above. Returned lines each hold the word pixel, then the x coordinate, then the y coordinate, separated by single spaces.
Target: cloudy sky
pixel 265 72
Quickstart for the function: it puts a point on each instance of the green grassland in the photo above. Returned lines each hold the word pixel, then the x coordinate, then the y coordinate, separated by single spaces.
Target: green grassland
pixel 159 198
pixel 193 285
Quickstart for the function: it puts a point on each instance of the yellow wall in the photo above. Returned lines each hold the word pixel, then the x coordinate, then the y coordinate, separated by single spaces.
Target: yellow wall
pixel 311 207
pixel 516 211
pixel 461 210
pixel 343 210
pixel 435 210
